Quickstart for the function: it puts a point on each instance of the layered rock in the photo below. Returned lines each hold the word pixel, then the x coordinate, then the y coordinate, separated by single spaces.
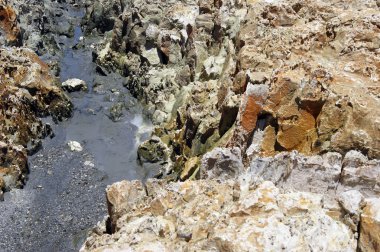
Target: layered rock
pixel 27 92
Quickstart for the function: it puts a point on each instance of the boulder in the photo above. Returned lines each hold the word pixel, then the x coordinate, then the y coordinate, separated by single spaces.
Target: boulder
pixel 73 85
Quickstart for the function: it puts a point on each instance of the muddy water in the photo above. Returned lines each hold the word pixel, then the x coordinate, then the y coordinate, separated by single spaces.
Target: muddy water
pixel 64 195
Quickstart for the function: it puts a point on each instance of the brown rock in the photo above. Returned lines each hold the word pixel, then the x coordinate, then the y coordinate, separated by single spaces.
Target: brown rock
pixel 27 91
pixel 8 23
pixel 370 226
pixel 252 104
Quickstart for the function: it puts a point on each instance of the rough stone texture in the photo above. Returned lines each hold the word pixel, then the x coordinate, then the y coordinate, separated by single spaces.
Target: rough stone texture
pixel 27 92
pixel 280 91
pixel 73 85
pixel 324 87
pixel 206 215
pixel 179 58
pixel 370 226
pixel 215 73
pixel 222 163
pixel 326 174
pixel 9 25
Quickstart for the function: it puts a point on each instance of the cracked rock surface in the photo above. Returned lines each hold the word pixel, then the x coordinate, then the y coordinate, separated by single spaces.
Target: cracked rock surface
pixel 266 118
pixel 273 105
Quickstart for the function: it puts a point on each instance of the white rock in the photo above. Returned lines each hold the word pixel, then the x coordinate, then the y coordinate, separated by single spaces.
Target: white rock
pixel 89 163
pixel 72 85
pixel 75 146
pixel 351 201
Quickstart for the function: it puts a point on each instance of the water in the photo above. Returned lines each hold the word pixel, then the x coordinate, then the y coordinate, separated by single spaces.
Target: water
pixel 113 144
pixel 64 195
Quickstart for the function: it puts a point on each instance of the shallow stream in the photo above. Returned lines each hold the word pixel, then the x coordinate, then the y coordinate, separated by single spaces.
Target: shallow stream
pixel 64 195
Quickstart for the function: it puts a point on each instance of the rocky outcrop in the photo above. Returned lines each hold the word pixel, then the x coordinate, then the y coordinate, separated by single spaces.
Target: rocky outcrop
pixel 212 216
pixel 284 94
pixel 280 75
pixel 27 92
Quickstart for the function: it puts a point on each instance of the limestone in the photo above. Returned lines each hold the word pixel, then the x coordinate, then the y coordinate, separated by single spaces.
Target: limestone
pixel 361 173
pixel 73 85
pixel 202 215
pixel 351 201
pixel 221 163
pixel 370 226
pixel 75 146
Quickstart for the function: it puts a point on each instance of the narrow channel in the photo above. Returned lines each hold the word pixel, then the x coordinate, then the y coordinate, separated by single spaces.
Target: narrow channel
pixel 64 194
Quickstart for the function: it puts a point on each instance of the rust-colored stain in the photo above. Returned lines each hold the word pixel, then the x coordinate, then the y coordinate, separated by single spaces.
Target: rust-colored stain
pixel 8 22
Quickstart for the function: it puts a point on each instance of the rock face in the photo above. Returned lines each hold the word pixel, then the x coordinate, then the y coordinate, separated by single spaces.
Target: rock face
pixel 211 216
pixel 27 92
pixel 282 75
pixel 284 94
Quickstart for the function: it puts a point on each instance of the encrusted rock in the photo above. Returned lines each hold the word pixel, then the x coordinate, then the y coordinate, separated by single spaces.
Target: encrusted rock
pixel 27 92
pixel 73 85
pixel 222 163
pixel 203 215
pixel 9 25
pixel 370 226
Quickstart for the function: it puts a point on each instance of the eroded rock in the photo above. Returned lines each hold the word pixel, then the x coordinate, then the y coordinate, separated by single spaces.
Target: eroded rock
pixel 27 92
pixel 203 215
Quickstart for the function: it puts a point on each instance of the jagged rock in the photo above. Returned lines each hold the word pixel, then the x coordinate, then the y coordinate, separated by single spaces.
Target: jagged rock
pixel 27 92
pixel 370 226
pixel 326 173
pixel 203 215
pixel 190 168
pixel 9 25
pixel 73 85
pixel 222 163
pixel 361 174
pixel 285 88
pixel 351 201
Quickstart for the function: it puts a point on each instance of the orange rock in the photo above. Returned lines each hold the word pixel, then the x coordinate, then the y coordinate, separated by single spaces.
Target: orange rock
pixel 269 141
pixel 297 131
pixel 8 23
pixel 252 105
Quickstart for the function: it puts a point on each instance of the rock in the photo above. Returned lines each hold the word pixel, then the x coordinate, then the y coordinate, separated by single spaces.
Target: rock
pixel 73 85
pixel 370 226
pixel 222 163
pixel 360 173
pixel 351 201
pixel 27 92
pixel 9 25
pixel 190 168
pixel 203 215
pixel 154 155
pixel 121 198
pixel 117 111
pixel 325 174
pixel 75 146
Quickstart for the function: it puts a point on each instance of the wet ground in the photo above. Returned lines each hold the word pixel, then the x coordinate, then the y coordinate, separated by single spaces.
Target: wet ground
pixel 64 195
